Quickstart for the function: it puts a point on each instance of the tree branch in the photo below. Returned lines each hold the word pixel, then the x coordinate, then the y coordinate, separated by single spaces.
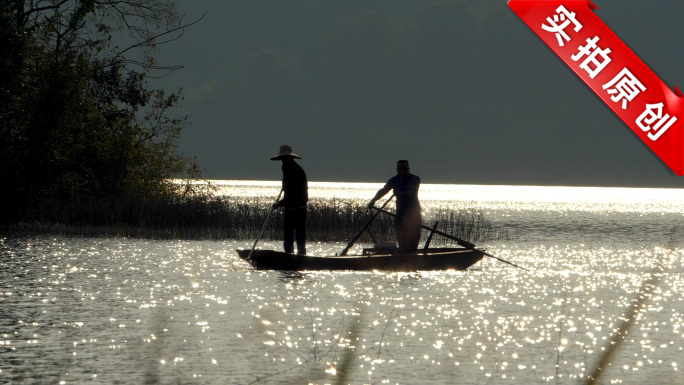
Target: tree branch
pixel 151 39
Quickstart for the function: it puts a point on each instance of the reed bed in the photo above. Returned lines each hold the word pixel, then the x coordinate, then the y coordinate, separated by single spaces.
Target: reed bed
pixel 470 225
pixel 237 219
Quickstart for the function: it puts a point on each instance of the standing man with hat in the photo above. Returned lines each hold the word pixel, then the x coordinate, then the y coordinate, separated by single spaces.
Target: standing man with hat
pixel 295 198
pixel 408 219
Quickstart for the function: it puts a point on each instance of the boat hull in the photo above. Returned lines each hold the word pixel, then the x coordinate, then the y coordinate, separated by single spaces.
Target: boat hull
pixel 420 260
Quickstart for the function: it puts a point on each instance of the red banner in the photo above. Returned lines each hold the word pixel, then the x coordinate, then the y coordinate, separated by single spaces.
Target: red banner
pixel 612 70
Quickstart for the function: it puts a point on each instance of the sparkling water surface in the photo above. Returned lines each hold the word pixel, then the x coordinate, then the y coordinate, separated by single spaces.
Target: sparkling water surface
pixel 79 310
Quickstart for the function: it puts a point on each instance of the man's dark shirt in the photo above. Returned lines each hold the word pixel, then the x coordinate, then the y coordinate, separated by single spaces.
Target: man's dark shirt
pixel 295 186
pixel 406 191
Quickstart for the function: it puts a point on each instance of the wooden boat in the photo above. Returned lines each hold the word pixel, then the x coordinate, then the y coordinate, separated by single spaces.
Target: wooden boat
pixel 385 259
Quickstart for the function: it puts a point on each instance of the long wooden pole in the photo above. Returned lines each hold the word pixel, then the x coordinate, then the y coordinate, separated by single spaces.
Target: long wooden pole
pixel 432 232
pixel 461 242
pixel 346 249
pixel 249 256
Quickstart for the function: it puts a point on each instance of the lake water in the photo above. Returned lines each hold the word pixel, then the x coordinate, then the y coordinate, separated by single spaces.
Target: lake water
pixel 77 310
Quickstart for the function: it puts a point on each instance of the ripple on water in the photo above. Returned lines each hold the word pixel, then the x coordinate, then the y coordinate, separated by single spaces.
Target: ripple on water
pixel 129 311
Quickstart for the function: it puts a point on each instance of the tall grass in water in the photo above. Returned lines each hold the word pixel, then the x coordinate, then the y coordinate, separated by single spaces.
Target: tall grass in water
pixel 469 225
pixel 231 218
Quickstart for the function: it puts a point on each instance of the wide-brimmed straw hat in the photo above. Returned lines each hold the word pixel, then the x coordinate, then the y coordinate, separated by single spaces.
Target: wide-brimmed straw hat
pixel 285 151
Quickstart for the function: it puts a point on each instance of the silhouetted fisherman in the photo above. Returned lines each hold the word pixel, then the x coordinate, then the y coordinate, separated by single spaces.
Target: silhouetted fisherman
pixel 408 216
pixel 295 198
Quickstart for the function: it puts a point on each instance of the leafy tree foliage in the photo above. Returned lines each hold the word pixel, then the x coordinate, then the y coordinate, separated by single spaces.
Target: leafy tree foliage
pixel 76 116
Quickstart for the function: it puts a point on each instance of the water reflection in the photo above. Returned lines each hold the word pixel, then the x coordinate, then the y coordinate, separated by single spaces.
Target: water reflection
pixel 292 276
pixel 79 310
